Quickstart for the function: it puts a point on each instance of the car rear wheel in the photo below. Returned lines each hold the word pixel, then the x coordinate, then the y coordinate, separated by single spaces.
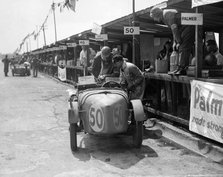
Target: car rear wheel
pixel 138 134
pixel 73 136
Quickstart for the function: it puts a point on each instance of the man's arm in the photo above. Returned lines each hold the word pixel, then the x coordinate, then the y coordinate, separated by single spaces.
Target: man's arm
pixel 138 77
pixel 96 67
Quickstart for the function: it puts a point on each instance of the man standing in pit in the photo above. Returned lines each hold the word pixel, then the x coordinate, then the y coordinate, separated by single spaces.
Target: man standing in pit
pixel 183 35
pixel 130 75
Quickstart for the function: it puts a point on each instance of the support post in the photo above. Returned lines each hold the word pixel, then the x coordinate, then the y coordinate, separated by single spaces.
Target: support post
pixel 44 36
pixel 221 41
pixel 135 40
pixel 37 37
pixel 54 19
pixel 198 48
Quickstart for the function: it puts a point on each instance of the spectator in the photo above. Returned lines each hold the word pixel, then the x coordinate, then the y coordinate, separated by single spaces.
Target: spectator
pixel 35 66
pixel 210 60
pixel 183 35
pixel 84 58
pixel 131 76
pixel 6 65
pixel 212 48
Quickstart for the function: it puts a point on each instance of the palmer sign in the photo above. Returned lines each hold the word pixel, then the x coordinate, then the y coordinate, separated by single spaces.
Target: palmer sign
pixel 206 110
pixel 191 19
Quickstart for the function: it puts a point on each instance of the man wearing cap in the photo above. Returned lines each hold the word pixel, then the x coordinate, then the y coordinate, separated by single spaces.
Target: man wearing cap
pixel 102 63
pixel 183 35
pixel 132 76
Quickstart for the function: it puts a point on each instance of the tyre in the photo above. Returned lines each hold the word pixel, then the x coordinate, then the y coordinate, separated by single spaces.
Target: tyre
pixel 138 134
pixel 73 136
pixel 28 73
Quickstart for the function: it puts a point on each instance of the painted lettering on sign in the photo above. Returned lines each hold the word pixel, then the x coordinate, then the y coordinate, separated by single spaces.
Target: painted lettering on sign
pixel 96 118
pixel 207 102
pixel 189 18
pixel 129 30
pixel 118 116
pixel 206 110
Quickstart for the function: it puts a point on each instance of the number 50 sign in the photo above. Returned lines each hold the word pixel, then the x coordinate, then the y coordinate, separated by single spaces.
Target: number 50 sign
pixel 130 30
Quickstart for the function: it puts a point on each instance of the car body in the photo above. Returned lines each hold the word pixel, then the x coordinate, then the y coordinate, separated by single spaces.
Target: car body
pixel 104 109
pixel 21 69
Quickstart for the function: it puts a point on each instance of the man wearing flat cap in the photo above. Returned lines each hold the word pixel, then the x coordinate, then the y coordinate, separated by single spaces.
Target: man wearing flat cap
pixel 183 35
pixel 102 63
pixel 131 75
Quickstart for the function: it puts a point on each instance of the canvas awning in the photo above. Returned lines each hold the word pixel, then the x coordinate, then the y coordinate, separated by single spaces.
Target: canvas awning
pixel 196 3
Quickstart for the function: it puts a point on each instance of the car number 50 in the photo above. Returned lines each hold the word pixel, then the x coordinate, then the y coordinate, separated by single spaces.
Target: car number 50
pixel 96 118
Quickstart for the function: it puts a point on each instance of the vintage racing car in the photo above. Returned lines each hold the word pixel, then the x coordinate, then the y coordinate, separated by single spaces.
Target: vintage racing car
pixel 21 69
pixel 104 109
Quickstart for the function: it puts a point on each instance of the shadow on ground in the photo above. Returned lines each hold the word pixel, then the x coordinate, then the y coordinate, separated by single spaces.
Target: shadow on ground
pixel 115 150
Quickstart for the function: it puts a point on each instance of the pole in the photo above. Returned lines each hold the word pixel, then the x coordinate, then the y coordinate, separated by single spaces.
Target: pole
pixel 44 36
pixel 29 44
pixel 198 47
pixel 133 36
pixel 54 17
pixel 27 47
pixel 37 37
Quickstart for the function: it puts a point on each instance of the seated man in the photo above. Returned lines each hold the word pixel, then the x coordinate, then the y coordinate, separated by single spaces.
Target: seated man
pixel 212 48
pixel 132 76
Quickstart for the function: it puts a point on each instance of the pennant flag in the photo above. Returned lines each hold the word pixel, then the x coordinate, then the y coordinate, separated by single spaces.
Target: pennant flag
pixel 70 4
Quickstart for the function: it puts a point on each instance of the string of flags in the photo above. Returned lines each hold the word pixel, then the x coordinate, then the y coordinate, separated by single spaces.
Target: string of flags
pixel 69 4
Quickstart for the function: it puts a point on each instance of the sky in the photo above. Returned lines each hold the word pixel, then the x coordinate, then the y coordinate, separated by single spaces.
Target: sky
pixel 18 18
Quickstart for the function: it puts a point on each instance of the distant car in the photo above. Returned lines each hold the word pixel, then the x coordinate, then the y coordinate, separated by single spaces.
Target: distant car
pixel 21 69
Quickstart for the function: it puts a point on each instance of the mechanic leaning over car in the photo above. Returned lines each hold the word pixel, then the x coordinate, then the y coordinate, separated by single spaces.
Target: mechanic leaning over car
pixel 102 65
pixel 131 76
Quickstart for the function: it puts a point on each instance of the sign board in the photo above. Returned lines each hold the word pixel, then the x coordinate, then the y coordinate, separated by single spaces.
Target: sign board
pixel 63 47
pixel 96 29
pixel 62 73
pixel 71 44
pixel 84 80
pixel 101 37
pixel 84 42
pixel 131 30
pixel 191 19
pixel 206 110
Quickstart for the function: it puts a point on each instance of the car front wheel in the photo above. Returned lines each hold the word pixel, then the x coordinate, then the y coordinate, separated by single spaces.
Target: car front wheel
pixel 138 134
pixel 73 136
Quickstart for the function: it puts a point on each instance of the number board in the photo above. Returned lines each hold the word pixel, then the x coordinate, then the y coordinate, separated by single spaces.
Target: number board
pixel 83 42
pixel 130 30
pixel 96 118
pixel 118 117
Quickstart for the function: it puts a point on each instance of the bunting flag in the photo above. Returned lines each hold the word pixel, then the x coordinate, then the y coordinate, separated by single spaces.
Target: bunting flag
pixel 33 33
pixel 70 4
pixel 25 38
pixel 16 51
